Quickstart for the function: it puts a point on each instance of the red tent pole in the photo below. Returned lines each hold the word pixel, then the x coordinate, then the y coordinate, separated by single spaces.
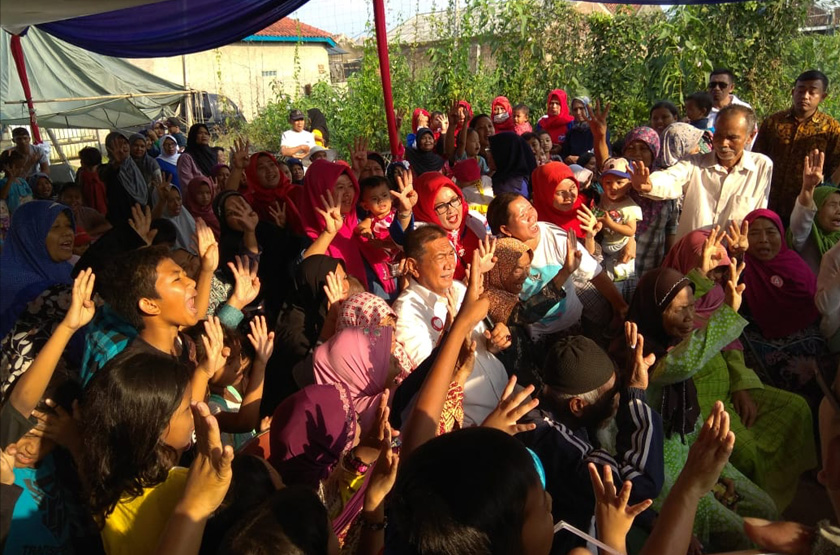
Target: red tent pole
pixel 385 71
pixel 17 54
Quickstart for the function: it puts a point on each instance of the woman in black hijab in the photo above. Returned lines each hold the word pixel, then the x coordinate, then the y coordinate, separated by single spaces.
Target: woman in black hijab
pixel 198 158
pixel 514 164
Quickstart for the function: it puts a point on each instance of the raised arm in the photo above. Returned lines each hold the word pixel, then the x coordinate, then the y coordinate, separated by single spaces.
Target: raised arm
pixel 32 385
pixel 597 119
pixel 804 209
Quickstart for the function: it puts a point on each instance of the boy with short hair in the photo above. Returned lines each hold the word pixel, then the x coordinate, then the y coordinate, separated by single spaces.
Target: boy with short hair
pixel 521 112
pixel 149 297
pixel 698 106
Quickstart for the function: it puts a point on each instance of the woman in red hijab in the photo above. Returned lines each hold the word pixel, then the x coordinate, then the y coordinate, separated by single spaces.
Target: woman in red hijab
pixel 558 119
pixel 442 203
pixel 321 177
pixel 557 196
pixel 268 185
pixel 502 113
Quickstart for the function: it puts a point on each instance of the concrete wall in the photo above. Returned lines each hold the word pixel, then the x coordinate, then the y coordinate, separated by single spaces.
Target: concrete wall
pixel 246 72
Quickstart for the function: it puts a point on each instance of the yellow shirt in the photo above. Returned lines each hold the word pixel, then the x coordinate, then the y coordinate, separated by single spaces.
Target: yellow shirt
pixel 135 526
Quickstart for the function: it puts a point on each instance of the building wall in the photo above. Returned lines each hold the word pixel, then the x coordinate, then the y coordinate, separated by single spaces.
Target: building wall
pixel 246 72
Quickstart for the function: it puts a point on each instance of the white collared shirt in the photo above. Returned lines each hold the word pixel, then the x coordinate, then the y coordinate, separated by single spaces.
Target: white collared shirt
pixel 713 195
pixel 421 315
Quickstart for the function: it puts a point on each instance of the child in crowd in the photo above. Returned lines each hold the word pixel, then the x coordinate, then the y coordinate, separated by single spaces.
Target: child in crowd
pixel 374 231
pixel 536 145
pixel 137 422
pixel 698 106
pixel 236 387
pixel 618 214
pixel 88 220
pixel 477 188
pixel 42 186
pixel 521 112
pixel 93 188
pixel 469 146
pixel 545 142
pixel 14 189
pixel 662 115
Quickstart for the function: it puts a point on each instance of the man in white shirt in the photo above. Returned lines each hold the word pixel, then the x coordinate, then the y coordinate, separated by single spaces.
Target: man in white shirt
pixel 422 316
pixel 296 141
pixel 719 187
pixel 721 85
pixel 36 158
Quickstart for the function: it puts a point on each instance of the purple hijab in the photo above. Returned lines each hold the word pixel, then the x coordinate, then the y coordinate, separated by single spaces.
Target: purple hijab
pixel 310 432
pixel 26 269
pixel 650 208
pixel 780 292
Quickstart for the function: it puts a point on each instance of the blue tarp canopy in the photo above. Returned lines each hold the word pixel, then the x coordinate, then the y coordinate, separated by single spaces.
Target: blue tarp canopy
pixel 172 27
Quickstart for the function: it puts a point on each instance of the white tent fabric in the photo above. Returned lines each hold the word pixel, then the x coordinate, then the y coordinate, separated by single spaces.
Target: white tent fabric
pixel 118 94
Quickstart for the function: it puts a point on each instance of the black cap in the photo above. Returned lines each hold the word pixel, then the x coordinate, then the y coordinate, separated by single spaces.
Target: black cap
pixel 295 115
pixel 173 122
pixel 576 365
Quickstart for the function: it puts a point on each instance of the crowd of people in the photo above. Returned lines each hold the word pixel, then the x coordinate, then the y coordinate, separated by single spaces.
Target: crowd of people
pixel 513 337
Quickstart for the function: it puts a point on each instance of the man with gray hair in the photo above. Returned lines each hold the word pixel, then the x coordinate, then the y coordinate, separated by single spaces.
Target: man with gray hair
pixel 583 393
pixel 719 187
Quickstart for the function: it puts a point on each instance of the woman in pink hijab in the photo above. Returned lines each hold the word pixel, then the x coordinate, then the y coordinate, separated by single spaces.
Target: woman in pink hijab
pixel 360 359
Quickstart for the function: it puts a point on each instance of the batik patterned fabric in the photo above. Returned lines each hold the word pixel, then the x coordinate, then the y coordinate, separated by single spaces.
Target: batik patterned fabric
pixel 787 142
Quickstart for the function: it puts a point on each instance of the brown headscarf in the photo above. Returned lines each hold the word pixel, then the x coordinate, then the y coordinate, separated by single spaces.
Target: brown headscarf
pixel 655 291
pixel 502 301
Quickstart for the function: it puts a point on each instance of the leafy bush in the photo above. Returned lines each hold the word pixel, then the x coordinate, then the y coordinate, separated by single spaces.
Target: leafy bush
pixel 534 46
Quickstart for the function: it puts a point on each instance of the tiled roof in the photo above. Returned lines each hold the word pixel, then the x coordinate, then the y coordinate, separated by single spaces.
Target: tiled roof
pixel 288 27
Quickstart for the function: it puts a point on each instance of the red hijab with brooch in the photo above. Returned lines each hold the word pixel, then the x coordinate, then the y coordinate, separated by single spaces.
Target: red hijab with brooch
pixel 463 240
pixel 780 292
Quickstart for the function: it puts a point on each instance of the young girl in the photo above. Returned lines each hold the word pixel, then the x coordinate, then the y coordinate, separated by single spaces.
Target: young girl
pixel 136 421
pixel 42 187
pixel 662 115
pixel 14 190
pixel 199 202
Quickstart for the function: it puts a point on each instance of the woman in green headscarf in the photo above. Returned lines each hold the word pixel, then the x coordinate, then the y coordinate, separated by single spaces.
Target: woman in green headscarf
pixel 815 223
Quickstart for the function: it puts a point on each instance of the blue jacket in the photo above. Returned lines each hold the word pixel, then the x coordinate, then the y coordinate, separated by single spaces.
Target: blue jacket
pixel 565 454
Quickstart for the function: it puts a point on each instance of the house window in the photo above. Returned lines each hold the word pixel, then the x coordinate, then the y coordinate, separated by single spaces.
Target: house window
pixel 269 73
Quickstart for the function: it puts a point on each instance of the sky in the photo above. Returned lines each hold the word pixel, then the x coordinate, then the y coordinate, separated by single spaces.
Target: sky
pixel 349 17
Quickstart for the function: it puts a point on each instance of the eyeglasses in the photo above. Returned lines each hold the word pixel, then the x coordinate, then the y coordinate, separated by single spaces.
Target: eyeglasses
pixel 444 207
pixel 718 85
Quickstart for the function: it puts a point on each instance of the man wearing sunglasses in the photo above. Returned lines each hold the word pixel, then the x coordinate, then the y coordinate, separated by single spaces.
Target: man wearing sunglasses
pixel 721 85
